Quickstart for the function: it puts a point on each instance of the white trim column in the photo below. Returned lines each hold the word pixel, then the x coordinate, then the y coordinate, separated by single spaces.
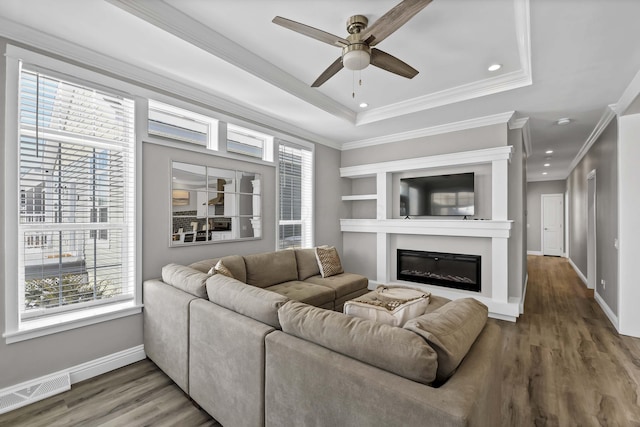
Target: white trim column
pixel 499 269
pixel 628 224
pixel 383 251
pixel 500 189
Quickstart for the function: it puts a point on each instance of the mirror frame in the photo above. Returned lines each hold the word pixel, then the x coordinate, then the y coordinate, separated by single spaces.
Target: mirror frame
pixel 230 219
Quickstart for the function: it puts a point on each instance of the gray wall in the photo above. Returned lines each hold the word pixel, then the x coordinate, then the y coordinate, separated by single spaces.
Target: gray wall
pixel 516 210
pixel 156 209
pixel 452 142
pixel 328 202
pixel 534 211
pixel 603 158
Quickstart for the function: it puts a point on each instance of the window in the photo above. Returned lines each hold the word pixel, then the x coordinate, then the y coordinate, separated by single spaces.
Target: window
pixel 176 123
pixel 76 177
pixel 249 143
pixel 295 221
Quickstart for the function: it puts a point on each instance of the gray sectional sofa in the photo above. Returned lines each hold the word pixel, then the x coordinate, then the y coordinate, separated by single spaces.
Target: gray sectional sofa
pixel 265 347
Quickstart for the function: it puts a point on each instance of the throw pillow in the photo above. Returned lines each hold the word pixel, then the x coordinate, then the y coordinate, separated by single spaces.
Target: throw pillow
pixel 391 306
pixel 328 261
pixel 451 330
pixel 220 268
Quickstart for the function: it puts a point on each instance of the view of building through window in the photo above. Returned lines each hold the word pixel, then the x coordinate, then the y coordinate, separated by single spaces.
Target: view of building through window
pixel 76 221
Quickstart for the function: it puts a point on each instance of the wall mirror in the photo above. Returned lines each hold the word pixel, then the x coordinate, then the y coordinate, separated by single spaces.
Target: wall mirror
pixel 210 205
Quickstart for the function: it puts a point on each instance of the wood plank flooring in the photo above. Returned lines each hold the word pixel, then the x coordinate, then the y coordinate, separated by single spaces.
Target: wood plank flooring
pixel 136 395
pixel 563 365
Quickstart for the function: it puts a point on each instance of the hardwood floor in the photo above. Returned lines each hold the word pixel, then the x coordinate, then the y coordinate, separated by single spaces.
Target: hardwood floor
pixel 564 365
pixel 136 395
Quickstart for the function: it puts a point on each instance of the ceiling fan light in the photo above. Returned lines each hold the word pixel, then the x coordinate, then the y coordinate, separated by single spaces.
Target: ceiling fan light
pixel 356 60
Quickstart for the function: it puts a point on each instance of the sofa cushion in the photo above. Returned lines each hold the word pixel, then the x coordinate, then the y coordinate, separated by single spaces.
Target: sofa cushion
pixel 307 263
pixel 328 261
pixel 393 349
pixel 271 268
pixel 304 292
pixel 235 264
pixel 250 301
pixel 185 278
pixel 451 330
pixel 343 284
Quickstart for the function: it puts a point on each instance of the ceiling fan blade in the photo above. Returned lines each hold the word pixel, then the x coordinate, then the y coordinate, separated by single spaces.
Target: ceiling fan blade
pixel 329 72
pixel 392 64
pixel 392 20
pixel 314 33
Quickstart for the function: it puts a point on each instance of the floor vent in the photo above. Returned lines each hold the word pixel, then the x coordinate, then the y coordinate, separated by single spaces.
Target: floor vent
pixel 28 393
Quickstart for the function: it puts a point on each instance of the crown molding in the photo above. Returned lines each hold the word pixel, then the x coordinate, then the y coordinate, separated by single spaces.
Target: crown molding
pixel 523 123
pixel 477 89
pixel 461 93
pixel 501 118
pixel 166 17
pixel 608 115
pixel 147 77
pixel 628 96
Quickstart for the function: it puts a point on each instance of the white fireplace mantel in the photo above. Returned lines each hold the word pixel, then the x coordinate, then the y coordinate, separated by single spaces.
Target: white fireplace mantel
pixel 498 228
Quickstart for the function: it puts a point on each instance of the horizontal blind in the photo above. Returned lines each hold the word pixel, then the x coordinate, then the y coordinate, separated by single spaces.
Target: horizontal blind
pixel 295 165
pixel 77 222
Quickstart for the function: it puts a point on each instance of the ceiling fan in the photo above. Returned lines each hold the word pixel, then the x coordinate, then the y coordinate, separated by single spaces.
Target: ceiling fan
pixel 357 49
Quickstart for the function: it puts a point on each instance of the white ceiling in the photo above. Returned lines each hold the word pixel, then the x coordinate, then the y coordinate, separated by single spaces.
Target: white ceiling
pixel 561 58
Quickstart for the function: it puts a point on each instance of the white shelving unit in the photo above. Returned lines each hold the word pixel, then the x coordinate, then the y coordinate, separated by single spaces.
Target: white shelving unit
pixel 498 228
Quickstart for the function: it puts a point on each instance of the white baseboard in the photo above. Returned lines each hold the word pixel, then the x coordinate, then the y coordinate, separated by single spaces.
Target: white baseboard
pixel 607 311
pixel 579 273
pixel 535 253
pixel 45 386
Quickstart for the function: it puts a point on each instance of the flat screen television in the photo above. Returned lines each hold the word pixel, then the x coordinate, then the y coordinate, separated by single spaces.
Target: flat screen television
pixel 447 195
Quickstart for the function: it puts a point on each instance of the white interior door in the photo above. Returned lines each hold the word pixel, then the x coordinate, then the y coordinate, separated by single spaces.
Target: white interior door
pixel 552 224
pixel 591 230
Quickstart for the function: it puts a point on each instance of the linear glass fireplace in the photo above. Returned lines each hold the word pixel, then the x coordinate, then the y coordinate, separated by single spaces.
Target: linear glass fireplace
pixel 457 271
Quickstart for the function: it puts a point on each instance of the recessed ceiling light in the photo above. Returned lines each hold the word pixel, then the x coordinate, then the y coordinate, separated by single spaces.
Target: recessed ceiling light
pixel 363 105
pixel 494 67
pixel 546 165
pixel 544 173
pixel 563 121
pixel 548 152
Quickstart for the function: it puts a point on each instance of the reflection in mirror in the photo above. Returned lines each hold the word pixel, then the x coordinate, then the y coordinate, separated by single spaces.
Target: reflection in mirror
pixel 213 205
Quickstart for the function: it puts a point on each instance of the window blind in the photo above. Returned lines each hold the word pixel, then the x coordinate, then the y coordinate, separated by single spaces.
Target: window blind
pixel 77 221
pixel 295 226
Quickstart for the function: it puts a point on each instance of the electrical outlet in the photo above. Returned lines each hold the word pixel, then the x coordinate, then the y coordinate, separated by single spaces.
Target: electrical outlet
pixel 603 283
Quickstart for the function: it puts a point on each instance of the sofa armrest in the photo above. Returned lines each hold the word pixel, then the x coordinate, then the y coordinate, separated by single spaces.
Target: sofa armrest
pixel 299 374
pixel 166 329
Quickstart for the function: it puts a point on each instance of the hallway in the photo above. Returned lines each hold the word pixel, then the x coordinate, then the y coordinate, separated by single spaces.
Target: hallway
pixel 564 363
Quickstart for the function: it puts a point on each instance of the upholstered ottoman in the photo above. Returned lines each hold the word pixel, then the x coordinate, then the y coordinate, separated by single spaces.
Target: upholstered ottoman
pixel 393 306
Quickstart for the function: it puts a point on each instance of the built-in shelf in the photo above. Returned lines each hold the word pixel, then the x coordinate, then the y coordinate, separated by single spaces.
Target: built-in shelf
pixel 360 197
pixel 497 228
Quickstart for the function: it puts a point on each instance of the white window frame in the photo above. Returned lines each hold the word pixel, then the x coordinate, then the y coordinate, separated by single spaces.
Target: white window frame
pixel 267 141
pixel 16 331
pixel 307 198
pixel 181 116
